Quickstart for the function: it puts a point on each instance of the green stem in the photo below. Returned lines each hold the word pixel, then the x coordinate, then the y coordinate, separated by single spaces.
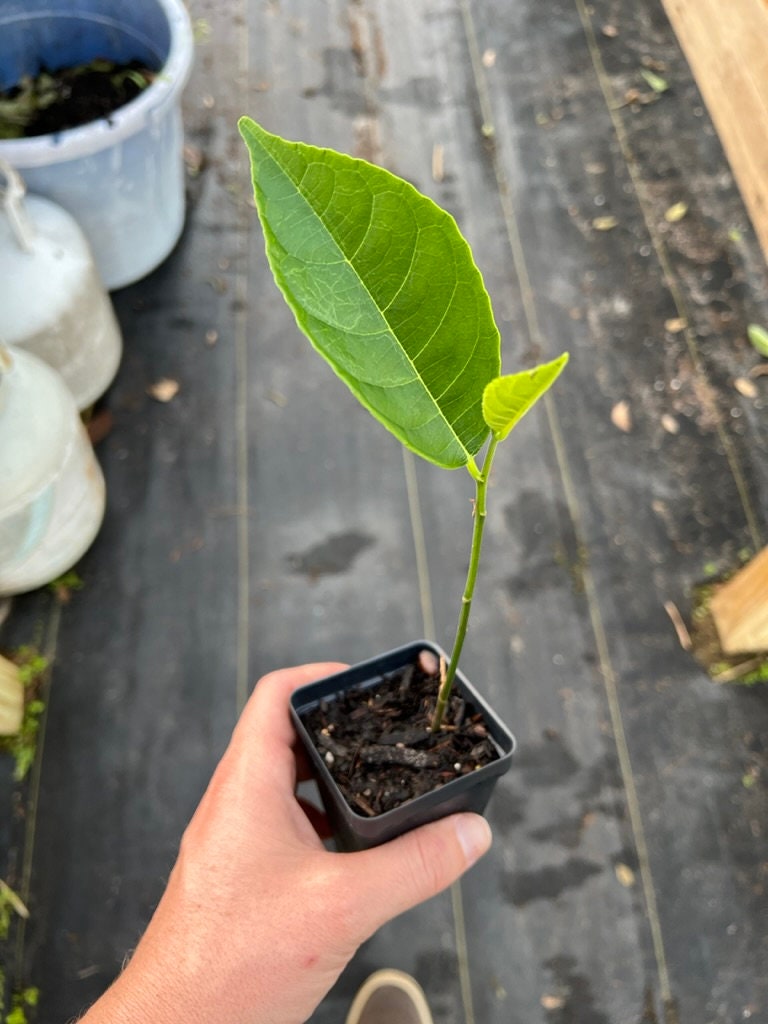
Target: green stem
pixel 469 588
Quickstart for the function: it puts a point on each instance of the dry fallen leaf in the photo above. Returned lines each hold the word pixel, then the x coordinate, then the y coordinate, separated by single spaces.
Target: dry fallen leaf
pixel 99 426
pixel 163 390
pixel 655 65
pixel 746 387
pixel 621 416
pixel 676 212
pixel 193 159
pixel 670 424
pixel 277 398
pixel 675 325
pixel 684 638
pixel 438 162
pixel 489 58
pixel 219 285
pixel 605 223
pixel 625 875
pixel 552 1002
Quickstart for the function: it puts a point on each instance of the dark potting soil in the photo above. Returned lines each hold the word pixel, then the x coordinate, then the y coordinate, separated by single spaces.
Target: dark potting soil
pixel 55 100
pixel 380 750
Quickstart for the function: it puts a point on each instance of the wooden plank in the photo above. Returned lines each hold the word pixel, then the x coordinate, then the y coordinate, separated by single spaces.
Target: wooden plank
pixel 740 609
pixel 11 698
pixel 727 48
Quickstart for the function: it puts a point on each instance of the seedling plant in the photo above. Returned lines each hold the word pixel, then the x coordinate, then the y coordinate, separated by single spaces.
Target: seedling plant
pixel 384 285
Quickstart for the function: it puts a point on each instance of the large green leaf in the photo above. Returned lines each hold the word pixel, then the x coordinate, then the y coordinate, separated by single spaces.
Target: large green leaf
pixel 383 284
pixel 508 399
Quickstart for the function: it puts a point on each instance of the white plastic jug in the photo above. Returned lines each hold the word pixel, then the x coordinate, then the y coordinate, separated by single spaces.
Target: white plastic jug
pixel 52 492
pixel 52 302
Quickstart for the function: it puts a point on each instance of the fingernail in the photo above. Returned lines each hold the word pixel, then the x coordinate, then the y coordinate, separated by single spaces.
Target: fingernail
pixel 474 835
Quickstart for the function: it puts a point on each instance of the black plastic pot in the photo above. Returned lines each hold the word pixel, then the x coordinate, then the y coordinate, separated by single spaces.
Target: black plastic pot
pixel 470 792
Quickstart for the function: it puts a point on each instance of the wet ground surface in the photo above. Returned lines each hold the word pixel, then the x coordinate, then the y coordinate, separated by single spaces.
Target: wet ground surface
pixel 261 519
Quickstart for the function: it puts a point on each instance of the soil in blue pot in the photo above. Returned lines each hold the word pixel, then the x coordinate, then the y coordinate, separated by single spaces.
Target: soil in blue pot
pixel 53 101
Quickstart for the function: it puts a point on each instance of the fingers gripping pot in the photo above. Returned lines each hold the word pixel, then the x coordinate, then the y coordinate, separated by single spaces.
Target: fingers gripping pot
pixel 53 302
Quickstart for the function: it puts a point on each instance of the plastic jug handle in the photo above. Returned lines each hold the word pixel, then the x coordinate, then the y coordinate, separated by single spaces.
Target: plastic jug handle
pixel 12 199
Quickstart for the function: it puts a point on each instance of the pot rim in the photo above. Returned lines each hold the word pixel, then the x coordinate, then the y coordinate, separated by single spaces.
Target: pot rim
pixel 358 671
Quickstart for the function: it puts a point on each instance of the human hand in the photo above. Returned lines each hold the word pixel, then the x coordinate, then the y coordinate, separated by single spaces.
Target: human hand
pixel 259 919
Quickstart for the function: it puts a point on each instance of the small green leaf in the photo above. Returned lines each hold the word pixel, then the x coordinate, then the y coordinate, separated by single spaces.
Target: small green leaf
pixel 139 80
pixel 507 399
pixel 605 223
pixel 31 996
pixel 676 212
pixel 201 30
pixel 383 284
pixel 656 82
pixel 758 336
pixel 67 581
pixel 14 901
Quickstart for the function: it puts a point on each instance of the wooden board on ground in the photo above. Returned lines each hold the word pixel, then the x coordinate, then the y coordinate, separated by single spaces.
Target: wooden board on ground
pixel 727 48
pixel 740 609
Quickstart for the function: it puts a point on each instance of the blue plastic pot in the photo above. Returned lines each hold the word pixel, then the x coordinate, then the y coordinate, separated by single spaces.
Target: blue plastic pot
pixel 122 178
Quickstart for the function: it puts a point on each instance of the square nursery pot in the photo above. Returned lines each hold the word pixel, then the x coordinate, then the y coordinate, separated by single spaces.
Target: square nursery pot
pixel 470 792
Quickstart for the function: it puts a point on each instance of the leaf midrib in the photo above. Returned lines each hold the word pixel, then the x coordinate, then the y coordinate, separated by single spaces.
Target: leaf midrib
pixel 376 306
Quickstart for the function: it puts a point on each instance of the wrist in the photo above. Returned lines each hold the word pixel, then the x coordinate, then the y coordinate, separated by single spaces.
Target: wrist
pixel 147 993
pixel 125 1003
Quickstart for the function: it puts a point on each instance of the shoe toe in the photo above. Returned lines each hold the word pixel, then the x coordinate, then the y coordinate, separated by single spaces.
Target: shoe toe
pixel 390 997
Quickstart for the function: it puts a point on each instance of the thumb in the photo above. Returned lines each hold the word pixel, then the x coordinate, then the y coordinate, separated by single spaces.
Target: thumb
pixel 397 876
